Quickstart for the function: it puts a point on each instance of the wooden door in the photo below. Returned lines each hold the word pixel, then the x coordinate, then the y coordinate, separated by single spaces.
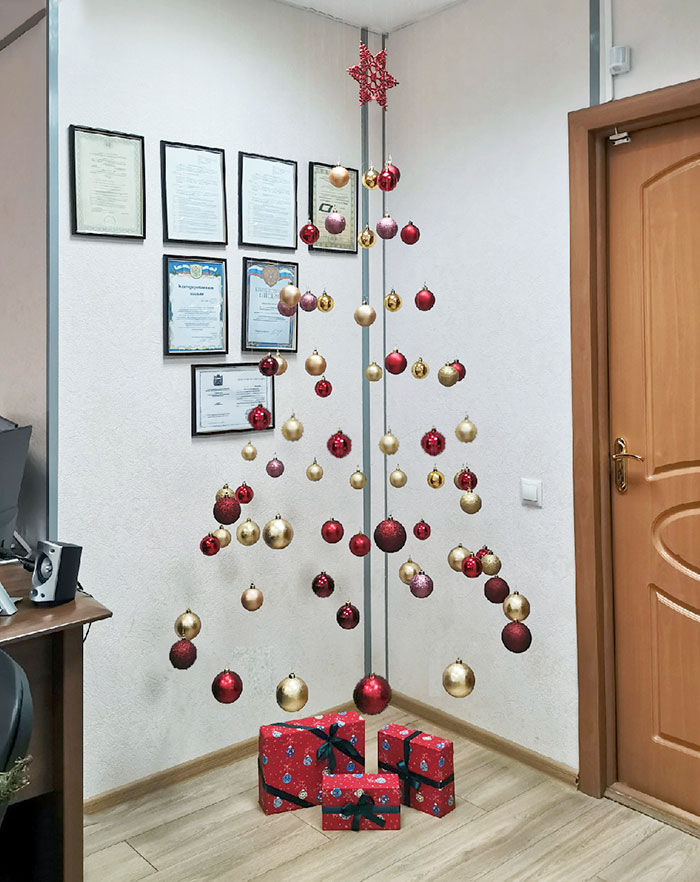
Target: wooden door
pixel 654 370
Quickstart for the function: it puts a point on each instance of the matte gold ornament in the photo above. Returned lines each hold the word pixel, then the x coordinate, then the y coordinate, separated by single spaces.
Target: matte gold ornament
pixel 456 556
pixel 436 479
pixel 292 694
pixel 365 314
pixel 357 480
pixel 282 363
pixel 248 532
pixel 292 429
pixel 389 443
pixel 517 607
pixel 392 301
pixel 325 303
pixel 367 238
pixel 465 430
pixel 458 679
pixel 470 502
pixel 490 564
pixel 314 472
pixel 408 570
pixel 188 625
pixel 370 178
pixel 339 176
pixel 398 478
pixel 249 452
pixel 252 598
pixel 223 535
pixel 373 372
pixel 290 295
pixel 224 492
pixel 420 369
pixel 315 364
pixel 447 375
pixel 277 533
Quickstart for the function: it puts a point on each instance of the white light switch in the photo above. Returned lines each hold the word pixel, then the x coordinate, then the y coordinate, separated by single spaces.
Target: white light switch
pixel 531 492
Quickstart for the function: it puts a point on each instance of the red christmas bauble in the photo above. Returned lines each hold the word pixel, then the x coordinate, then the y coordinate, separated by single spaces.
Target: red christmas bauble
pixel 309 233
pixel 390 535
pixel 395 362
pixel 482 551
pixel 410 234
pixel 244 493
pixel 425 299
pixel 516 637
pixel 496 589
pixel 268 366
pixel 459 367
pixel 323 585
pixel 421 530
pixel 387 180
pixel 227 510
pixel 210 545
pixel 227 687
pixel 332 531
pixel 471 566
pixel 183 654
pixel 339 444
pixel 348 616
pixel 390 167
pixel 259 417
pixel 372 694
pixel 360 544
pixel 433 442
pixel 421 585
pixel 323 388
pixel 465 479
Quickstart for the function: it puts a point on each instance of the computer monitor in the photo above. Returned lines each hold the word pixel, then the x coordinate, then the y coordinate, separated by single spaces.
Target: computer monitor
pixel 14 444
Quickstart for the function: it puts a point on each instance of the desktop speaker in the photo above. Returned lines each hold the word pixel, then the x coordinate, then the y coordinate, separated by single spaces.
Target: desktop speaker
pixel 55 576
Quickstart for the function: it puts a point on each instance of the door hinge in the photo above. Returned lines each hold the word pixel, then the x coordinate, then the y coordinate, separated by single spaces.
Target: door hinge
pixel 618 138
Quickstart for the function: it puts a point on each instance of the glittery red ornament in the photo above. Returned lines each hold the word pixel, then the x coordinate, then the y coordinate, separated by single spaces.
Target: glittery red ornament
pixel 227 687
pixel 183 654
pixel 339 444
pixel 421 585
pixel 393 169
pixel 387 180
pixel 459 367
pixel 482 551
pixel 390 535
pixel 433 442
pixel 309 233
pixel 227 510
pixel 323 585
pixel 323 388
pixel 421 530
pixel 395 362
pixel 410 234
pixel 332 531
pixel 259 417
pixel 210 545
pixel 348 616
pixel 360 544
pixel 424 299
pixel 471 566
pixel 516 637
pixel 496 589
pixel 372 694
pixel 268 366
pixel 373 77
pixel 465 479
pixel 244 493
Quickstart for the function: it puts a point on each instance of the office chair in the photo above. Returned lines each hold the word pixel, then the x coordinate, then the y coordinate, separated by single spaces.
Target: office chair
pixel 15 729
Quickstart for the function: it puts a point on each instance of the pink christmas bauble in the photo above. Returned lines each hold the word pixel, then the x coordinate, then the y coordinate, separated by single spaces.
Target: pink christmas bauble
pixel 433 442
pixel 286 311
pixel 360 544
pixel 309 233
pixel 424 299
pixel 372 694
pixel 421 585
pixel 307 301
pixel 395 362
pixel 332 531
pixel 348 616
pixel 334 222
pixel 410 234
pixel 275 467
pixel 387 227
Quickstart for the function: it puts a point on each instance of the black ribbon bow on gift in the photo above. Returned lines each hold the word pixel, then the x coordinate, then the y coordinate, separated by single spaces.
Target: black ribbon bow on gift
pixel 363 808
pixel 409 778
pixel 330 740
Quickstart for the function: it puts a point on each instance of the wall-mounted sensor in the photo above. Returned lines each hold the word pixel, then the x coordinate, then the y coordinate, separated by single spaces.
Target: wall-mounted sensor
pixel 619 60
pixel 531 492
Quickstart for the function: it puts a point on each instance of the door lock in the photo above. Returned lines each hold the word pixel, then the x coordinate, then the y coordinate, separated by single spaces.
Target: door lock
pixel 619 457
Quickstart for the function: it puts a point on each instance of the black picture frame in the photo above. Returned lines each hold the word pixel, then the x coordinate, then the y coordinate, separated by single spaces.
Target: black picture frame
pixel 263 346
pixel 164 191
pixel 72 130
pixel 291 245
pixel 251 366
pixel 167 350
pixel 317 219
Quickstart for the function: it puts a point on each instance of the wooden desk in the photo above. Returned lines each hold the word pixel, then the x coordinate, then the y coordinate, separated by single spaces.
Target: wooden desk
pixel 48 643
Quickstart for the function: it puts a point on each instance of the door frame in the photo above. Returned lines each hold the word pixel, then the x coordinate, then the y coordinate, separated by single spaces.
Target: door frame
pixel 589 130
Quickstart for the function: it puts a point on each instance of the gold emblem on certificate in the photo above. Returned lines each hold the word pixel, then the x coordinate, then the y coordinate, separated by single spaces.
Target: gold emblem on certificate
pixel 270 274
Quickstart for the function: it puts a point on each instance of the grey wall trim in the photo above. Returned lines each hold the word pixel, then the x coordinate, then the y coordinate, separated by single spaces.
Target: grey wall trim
pixel 594 52
pixel 22 29
pixel 385 459
pixel 52 267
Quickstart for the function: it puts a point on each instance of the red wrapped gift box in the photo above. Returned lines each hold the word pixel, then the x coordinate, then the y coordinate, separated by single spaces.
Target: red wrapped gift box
pixel 361 802
pixel 425 765
pixel 293 756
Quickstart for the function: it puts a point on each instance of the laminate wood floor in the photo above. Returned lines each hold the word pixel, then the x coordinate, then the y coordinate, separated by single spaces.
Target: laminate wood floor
pixel 511 823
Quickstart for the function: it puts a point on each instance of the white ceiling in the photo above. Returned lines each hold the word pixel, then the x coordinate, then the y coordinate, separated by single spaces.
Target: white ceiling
pixel 14 12
pixel 380 16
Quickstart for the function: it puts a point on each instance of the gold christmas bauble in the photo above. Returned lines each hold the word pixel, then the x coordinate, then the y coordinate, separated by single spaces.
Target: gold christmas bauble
pixel 470 502
pixel 419 369
pixel 357 480
pixel 339 175
pixel 392 301
pixel 370 178
pixel 292 429
pixel 248 532
pixel 292 694
pixel 516 607
pixel 456 556
pixel 389 443
pixel 223 492
pixel 315 364
pixel 188 625
pixel 397 478
pixel 223 535
pixel 408 570
pixel 289 295
pixel 277 533
pixel 367 238
pixel 465 430
pixel 325 303
pixel 365 314
pixel 447 375
pixel 249 452
pixel 458 679
pixel 373 372
pixel 282 364
pixel 490 564
pixel 436 479
pixel 314 472
pixel 252 598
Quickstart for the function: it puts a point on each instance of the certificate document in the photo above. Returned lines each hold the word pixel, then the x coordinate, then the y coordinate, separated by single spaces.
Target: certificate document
pixel 108 197
pixel 267 201
pixel 196 306
pixel 194 193
pixel 264 327
pixel 324 198
pixel 224 394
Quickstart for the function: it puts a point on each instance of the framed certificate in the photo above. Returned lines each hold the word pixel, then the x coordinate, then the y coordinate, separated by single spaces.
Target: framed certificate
pixel 263 326
pixel 193 184
pixel 108 192
pixel 324 198
pixel 267 201
pixel 195 306
pixel 224 394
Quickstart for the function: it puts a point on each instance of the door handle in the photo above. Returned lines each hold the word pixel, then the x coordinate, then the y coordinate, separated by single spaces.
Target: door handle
pixel 619 456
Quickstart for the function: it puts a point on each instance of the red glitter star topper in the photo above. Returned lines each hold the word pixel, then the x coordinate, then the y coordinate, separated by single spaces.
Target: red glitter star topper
pixel 373 77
